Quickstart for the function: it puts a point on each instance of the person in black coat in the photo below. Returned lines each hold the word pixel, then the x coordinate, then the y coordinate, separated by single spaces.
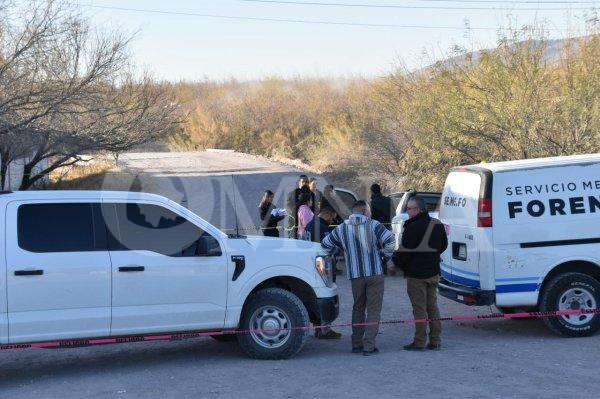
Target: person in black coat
pixel 329 199
pixel 269 221
pixel 423 241
pixel 381 206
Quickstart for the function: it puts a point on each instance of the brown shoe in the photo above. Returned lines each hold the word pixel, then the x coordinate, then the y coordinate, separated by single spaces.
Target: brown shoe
pixel 434 347
pixel 329 335
pixel 371 353
pixel 413 347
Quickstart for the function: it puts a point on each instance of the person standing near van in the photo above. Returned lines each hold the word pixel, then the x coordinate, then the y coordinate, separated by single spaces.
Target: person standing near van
pixel 269 215
pixel 381 206
pixel 367 244
pixel 423 240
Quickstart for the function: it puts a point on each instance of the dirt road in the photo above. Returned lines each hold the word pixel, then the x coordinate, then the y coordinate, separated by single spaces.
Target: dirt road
pixel 487 359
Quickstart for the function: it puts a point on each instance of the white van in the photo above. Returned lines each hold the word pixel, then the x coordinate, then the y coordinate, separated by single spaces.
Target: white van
pixel 525 235
pixel 92 264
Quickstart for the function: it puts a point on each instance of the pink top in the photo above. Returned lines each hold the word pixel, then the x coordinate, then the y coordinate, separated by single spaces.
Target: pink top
pixel 305 215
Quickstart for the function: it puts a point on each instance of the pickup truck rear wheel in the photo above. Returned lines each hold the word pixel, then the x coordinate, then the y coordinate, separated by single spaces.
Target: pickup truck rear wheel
pixel 274 325
pixel 572 291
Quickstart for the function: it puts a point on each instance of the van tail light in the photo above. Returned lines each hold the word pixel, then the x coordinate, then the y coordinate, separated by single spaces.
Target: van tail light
pixel 484 212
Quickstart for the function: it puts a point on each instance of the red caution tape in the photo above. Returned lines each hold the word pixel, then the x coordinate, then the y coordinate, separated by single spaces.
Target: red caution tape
pixel 71 343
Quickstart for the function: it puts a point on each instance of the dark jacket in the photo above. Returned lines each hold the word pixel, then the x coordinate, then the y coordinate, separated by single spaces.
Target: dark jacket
pixel 417 256
pixel 381 209
pixel 318 229
pixel 269 223
pixel 329 203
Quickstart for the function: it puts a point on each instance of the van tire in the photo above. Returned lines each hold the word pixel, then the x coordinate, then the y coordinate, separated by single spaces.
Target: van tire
pixel 269 307
pixel 558 289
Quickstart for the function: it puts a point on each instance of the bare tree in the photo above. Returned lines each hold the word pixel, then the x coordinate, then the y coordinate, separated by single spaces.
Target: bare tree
pixel 66 90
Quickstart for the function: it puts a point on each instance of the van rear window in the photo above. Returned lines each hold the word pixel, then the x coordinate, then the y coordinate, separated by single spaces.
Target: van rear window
pixel 458 205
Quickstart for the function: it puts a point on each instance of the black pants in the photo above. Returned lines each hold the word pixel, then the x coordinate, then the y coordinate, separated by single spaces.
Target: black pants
pixel 271 232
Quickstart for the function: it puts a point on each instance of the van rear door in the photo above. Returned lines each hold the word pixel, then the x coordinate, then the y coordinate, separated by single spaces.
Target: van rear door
pixel 459 211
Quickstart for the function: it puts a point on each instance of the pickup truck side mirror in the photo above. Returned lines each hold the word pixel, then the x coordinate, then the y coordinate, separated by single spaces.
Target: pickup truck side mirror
pixel 207 245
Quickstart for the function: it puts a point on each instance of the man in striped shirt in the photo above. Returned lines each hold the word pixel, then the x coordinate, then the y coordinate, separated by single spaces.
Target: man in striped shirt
pixel 367 245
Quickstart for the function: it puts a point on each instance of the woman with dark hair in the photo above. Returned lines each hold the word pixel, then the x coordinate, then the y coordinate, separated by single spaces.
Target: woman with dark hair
pixel 305 214
pixel 270 215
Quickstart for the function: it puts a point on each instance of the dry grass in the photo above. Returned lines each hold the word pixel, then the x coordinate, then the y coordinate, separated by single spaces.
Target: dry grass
pixel 93 175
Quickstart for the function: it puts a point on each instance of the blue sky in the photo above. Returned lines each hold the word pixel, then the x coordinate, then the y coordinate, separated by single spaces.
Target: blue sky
pixel 181 47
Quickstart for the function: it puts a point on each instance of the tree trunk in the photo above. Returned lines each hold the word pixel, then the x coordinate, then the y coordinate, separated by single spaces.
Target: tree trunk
pixel 26 180
pixel 5 162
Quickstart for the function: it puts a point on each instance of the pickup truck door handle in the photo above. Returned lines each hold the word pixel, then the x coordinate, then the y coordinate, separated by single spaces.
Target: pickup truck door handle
pixel 29 272
pixel 132 268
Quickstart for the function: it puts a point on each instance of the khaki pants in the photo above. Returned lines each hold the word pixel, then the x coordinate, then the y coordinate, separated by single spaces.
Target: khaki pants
pixel 368 295
pixel 423 297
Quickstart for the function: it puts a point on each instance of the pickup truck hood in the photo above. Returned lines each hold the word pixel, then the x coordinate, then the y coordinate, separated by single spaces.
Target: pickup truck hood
pixel 273 243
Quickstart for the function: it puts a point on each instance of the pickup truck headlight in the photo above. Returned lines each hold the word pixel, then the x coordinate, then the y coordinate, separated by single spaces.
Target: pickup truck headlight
pixel 324 267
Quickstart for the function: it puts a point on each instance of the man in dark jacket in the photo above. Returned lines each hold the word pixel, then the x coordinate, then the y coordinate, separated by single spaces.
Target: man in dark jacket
pixel 423 240
pixel 381 206
pixel 321 225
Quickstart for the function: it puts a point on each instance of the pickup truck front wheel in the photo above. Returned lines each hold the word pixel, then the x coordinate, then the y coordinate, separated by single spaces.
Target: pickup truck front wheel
pixel 274 325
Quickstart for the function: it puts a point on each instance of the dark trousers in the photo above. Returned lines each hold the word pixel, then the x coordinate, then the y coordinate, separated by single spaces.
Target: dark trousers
pixel 271 232
pixel 368 296
pixel 423 297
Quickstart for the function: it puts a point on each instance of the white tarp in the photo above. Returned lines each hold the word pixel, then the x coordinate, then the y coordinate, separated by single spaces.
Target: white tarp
pixel 15 173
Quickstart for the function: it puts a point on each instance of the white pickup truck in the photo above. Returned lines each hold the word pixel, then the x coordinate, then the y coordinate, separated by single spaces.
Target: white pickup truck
pixel 83 264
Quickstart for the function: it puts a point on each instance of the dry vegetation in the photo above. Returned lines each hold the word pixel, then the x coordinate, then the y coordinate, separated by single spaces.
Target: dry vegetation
pixel 407 129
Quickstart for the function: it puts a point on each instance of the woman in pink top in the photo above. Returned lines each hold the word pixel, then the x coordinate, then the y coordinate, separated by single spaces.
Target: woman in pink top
pixel 305 214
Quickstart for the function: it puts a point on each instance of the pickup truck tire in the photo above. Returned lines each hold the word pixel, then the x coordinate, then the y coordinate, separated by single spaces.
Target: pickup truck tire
pixel 267 312
pixel 572 291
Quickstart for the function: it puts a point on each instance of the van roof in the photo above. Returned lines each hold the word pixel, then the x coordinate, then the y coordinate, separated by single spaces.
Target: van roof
pixel 535 163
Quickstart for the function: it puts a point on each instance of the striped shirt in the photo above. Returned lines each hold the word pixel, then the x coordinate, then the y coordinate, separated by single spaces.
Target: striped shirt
pixel 365 242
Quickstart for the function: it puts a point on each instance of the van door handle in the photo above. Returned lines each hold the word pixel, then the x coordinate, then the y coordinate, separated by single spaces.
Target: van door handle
pixel 132 268
pixel 29 272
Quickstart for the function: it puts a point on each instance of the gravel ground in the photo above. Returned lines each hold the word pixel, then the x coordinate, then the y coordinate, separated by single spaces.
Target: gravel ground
pixel 494 358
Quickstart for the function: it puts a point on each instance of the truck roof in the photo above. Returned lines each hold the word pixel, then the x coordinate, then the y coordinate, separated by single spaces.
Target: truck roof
pixel 79 195
pixel 535 163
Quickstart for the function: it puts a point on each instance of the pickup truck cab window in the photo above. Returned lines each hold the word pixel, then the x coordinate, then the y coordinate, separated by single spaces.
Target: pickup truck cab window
pixel 155 228
pixel 59 227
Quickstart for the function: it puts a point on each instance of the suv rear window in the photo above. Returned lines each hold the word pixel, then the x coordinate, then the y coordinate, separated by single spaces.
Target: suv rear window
pixel 432 202
pixel 65 227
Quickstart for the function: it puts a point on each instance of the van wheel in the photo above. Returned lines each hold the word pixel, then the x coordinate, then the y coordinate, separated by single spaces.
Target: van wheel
pixel 572 291
pixel 273 325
